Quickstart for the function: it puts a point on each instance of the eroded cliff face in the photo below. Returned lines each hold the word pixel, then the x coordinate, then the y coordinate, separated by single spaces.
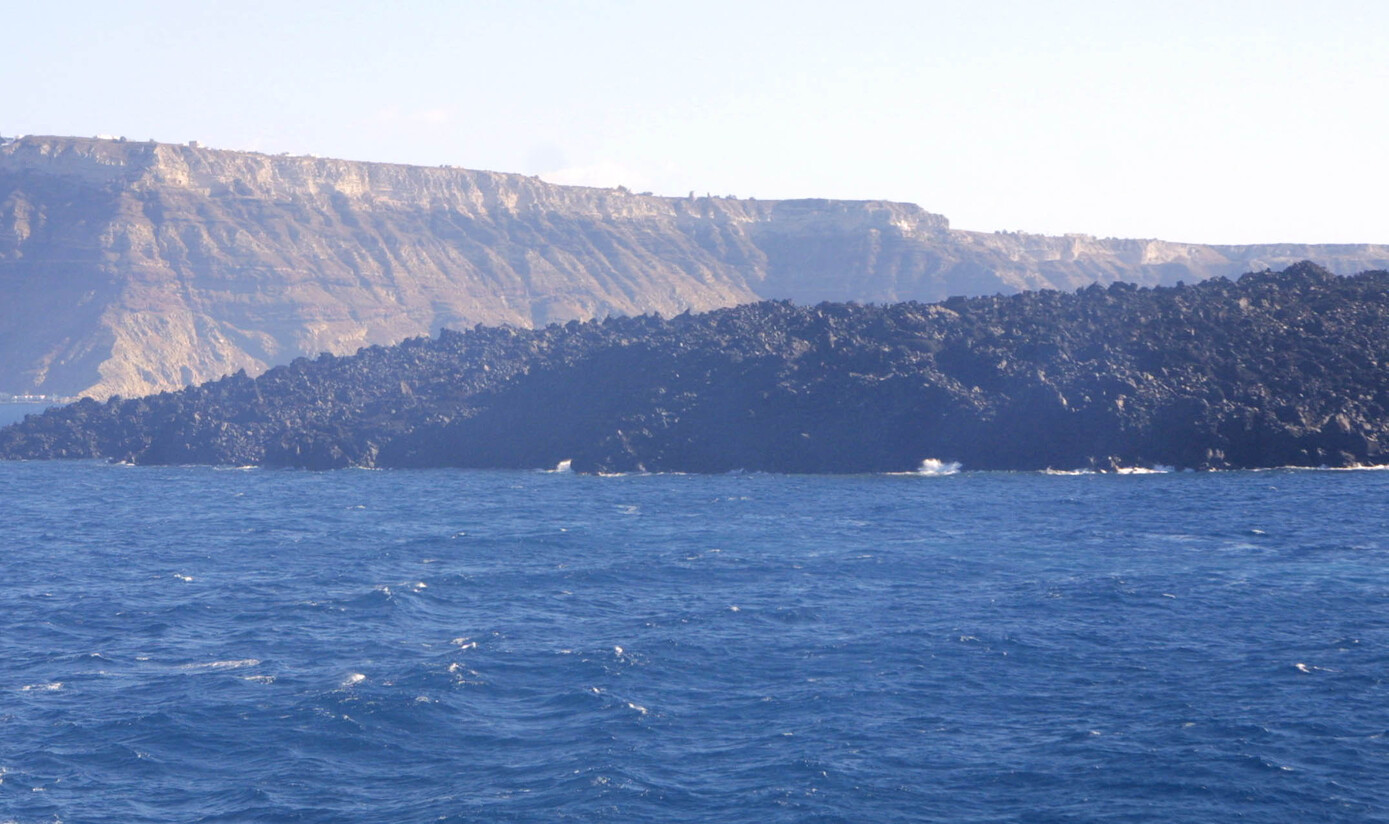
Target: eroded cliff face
pixel 128 268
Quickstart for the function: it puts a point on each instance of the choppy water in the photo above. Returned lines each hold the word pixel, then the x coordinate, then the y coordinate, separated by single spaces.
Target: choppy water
pixel 190 644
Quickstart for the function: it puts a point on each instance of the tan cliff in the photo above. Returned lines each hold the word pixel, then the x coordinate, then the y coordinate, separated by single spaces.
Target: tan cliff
pixel 129 267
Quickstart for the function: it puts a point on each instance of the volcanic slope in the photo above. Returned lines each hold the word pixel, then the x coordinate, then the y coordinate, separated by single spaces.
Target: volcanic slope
pixel 131 267
pixel 1271 370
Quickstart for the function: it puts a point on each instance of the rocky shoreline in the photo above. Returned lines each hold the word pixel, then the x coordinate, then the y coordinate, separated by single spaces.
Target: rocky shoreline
pixel 1274 369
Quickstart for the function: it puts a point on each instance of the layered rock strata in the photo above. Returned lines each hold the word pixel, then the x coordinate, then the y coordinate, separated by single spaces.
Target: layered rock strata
pixel 128 267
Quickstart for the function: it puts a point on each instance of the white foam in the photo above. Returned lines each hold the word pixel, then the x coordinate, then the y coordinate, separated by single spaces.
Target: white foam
pixel 935 466
pixel 222 665
pixel 182 577
pixel 51 686
pixel 1354 468
pixel 1310 669
pixel 639 708
pixel 353 679
pixel 563 466
pixel 1155 469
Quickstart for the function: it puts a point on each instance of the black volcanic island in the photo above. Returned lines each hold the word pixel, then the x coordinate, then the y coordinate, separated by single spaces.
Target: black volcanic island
pixel 1275 369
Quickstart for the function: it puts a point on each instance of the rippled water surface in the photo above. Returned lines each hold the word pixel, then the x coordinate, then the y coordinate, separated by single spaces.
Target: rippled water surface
pixel 191 644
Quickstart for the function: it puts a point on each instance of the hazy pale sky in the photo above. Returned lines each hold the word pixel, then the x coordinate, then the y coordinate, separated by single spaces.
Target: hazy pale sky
pixel 1222 122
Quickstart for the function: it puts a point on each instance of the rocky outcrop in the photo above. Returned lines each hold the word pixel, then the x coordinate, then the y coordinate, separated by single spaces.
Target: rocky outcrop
pixel 133 267
pixel 1272 370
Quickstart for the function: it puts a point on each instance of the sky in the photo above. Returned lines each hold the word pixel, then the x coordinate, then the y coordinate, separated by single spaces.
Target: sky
pixel 1208 122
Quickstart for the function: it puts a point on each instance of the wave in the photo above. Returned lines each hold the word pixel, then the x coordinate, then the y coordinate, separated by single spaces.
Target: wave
pixel 1324 468
pixel 935 466
pixel 1163 469
pixel 222 665
pixel 1155 469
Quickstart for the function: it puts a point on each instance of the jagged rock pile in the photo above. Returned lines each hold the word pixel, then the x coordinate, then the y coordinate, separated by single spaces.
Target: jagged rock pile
pixel 1271 370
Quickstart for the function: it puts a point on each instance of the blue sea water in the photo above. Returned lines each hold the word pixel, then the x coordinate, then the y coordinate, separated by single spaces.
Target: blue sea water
pixel 194 644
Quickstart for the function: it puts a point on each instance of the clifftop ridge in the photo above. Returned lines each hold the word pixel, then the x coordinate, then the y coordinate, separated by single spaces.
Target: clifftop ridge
pixel 131 267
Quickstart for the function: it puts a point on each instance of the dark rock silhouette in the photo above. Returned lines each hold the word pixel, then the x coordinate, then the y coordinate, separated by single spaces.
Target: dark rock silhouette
pixel 1274 369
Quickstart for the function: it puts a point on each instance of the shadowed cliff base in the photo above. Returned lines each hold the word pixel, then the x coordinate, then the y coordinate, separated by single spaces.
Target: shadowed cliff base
pixel 1275 369
pixel 132 267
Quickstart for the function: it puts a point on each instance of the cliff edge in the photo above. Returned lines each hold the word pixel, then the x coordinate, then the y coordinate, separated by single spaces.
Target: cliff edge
pixel 134 267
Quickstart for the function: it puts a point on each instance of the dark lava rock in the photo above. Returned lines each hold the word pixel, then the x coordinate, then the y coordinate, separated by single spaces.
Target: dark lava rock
pixel 1275 369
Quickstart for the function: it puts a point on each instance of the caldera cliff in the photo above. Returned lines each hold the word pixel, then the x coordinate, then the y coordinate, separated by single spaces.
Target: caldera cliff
pixel 133 267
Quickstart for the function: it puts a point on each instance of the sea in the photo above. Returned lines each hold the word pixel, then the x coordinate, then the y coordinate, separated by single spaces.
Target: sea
pixel 192 644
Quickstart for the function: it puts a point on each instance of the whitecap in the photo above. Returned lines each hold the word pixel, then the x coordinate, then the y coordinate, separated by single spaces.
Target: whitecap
pixel 936 467
pixel 354 679
pixel 1311 669
pixel 222 665
pixel 564 466
pixel 1356 468
pixel 51 686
